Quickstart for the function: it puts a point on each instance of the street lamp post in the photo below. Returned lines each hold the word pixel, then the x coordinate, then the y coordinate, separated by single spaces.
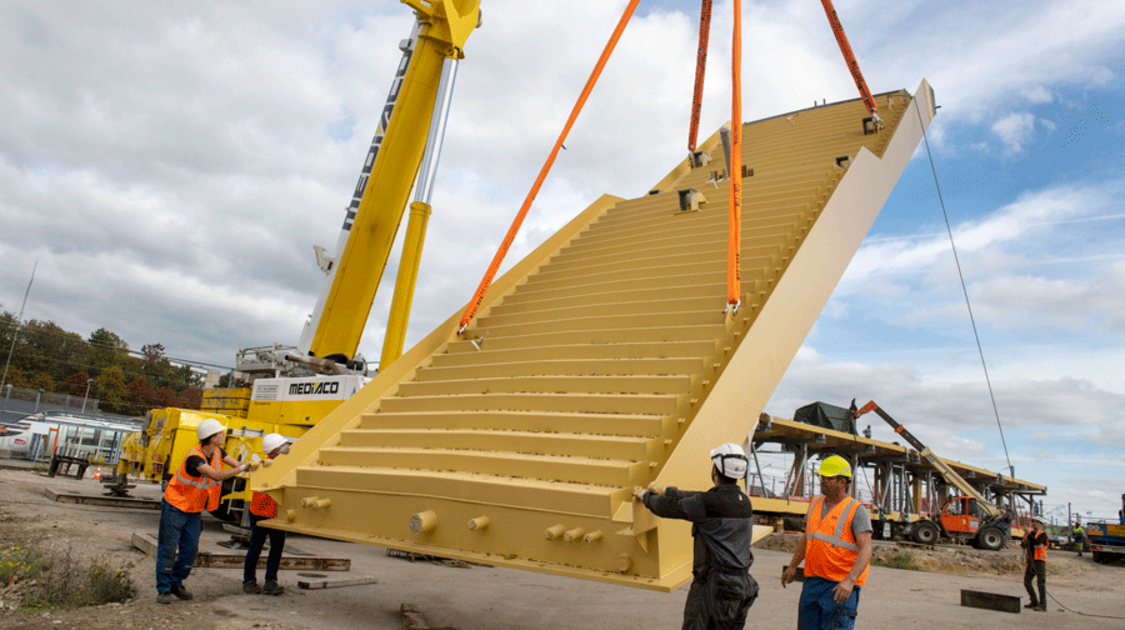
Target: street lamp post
pixel 88 381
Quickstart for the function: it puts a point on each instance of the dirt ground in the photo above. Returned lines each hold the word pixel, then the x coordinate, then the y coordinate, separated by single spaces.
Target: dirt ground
pixel 485 598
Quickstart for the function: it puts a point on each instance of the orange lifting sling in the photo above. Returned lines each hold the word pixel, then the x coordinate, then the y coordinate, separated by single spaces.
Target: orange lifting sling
pixel 474 304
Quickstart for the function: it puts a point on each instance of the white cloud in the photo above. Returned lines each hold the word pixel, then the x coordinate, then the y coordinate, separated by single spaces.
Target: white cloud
pixel 1037 94
pixel 1015 130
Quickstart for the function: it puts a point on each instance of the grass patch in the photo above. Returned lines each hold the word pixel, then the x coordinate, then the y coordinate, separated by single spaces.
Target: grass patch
pixel 904 561
pixel 59 579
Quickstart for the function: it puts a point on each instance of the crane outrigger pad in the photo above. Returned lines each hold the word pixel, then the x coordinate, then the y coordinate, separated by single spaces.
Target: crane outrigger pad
pixel 605 361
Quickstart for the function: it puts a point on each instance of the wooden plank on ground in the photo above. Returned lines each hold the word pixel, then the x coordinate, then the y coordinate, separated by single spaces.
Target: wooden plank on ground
pixel 147 544
pixel 357 581
pixel 235 561
pixel 88 499
pixel 990 601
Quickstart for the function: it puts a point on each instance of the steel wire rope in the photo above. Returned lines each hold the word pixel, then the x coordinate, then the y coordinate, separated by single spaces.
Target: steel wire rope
pixel 965 291
pixel 1079 612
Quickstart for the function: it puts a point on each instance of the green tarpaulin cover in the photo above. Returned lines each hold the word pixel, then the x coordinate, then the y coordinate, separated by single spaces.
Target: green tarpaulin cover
pixel 827 416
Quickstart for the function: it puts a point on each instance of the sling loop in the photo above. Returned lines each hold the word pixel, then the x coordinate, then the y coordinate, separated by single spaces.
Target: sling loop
pixel 485 282
pixel 700 70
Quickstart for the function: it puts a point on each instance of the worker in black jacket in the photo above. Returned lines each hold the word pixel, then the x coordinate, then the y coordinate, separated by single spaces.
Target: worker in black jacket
pixel 1035 553
pixel 722 590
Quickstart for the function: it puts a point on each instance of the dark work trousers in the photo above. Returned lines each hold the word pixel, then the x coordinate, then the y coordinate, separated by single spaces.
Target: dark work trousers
pixel 720 601
pixel 1036 569
pixel 257 541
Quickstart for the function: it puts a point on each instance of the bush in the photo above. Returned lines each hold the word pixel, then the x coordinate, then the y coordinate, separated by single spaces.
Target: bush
pixel 60 579
pixel 903 561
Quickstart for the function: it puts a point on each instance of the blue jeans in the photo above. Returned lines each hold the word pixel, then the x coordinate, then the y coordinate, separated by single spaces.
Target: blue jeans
pixel 257 541
pixel 179 533
pixel 818 609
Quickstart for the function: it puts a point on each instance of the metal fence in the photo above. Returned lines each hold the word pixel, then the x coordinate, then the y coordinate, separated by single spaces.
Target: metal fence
pixel 49 399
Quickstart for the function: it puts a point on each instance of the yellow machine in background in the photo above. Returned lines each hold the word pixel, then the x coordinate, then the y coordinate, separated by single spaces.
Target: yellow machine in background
pixel 294 387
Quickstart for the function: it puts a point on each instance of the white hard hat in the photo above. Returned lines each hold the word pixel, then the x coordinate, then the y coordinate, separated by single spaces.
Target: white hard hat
pixel 209 427
pixel 730 460
pixel 272 442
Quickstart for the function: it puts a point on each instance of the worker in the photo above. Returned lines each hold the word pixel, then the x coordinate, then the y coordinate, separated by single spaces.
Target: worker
pixel 867 432
pixel 1079 535
pixel 262 506
pixel 195 487
pixel 836 552
pixel 1035 554
pixel 722 589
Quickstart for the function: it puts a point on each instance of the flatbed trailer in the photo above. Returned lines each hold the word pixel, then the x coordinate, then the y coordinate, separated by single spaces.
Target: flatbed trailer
pixel 1107 542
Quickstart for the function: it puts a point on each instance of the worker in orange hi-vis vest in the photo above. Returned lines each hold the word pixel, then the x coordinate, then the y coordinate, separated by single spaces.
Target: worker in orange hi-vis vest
pixel 836 551
pixel 1035 550
pixel 262 506
pixel 195 487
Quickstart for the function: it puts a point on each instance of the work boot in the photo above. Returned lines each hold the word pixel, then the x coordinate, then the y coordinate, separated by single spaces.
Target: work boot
pixel 1031 604
pixel 251 587
pixel 1041 608
pixel 181 592
pixel 272 588
pixel 164 598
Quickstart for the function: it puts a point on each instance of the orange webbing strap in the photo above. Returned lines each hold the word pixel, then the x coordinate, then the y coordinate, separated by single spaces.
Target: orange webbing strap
pixel 849 57
pixel 485 282
pixel 734 242
pixel 700 70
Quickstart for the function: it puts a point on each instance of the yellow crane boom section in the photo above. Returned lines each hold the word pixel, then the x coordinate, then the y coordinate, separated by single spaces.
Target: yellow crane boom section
pixel 446 24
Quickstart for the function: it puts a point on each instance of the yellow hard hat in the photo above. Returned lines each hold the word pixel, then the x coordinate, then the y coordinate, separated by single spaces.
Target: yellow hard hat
pixel 835 466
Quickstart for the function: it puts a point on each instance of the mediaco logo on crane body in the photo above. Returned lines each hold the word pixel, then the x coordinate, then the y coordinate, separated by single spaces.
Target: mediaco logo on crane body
pixel 314 389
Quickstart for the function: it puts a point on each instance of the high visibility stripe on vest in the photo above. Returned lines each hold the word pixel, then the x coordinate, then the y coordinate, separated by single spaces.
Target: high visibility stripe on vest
pixel 837 538
pixel 195 494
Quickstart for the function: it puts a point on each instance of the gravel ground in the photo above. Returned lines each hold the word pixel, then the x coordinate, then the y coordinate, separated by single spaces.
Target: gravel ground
pixel 486 598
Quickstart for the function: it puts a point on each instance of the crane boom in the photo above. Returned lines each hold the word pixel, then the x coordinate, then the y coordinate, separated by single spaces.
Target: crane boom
pixel 946 471
pixel 341 315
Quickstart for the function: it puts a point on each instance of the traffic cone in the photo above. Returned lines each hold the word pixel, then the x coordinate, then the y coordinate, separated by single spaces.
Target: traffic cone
pixel 98 473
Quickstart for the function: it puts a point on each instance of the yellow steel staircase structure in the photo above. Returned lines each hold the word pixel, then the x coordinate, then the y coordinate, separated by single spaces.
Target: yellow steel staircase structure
pixel 604 361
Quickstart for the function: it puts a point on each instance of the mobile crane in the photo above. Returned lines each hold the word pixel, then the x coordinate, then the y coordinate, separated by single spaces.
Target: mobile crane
pixel 293 387
pixel 970 517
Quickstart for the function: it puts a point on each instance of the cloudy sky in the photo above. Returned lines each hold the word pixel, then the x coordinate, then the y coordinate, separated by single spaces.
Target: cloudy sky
pixel 171 165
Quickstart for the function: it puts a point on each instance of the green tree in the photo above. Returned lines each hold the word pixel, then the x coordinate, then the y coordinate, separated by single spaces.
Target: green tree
pixel 43 381
pixel 112 390
pixel 46 348
pixel 106 350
